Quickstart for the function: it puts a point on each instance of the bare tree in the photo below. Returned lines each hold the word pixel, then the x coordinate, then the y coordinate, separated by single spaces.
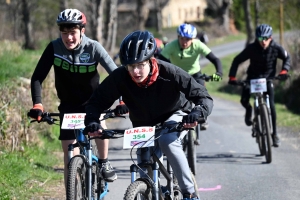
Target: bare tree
pixel 111 24
pixel 220 10
pixel 249 27
pixel 142 12
pixel 13 8
pixel 95 12
pixel 26 9
pixel 158 16
pixel 63 4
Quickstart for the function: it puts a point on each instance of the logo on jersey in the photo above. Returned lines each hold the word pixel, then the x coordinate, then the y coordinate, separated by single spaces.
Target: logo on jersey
pixel 85 57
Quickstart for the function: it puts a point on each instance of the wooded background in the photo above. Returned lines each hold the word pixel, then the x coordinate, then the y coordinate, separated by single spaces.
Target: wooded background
pixel 31 21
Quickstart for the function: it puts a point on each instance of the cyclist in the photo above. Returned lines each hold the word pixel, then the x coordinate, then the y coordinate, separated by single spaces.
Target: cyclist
pixel 75 58
pixel 185 52
pixel 263 54
pixel 151 89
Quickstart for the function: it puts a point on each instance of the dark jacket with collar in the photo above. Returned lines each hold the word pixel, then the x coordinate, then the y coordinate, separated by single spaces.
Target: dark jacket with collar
pixel 262 61
pixel 154 104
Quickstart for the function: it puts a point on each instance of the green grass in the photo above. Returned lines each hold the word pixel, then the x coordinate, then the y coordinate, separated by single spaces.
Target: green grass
pixel 25 174
pixel 222 90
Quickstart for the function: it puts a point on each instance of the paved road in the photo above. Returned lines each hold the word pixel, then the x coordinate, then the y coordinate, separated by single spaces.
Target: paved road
pixel 228 163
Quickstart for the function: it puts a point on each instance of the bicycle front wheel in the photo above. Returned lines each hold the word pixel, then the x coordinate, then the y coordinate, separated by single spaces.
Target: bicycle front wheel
pixel 191 151
pixel 138 190
pixel 266 132
pixel 76 183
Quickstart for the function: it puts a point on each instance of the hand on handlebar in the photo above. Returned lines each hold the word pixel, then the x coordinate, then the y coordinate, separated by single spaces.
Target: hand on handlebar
pixel 216 77
pixel 36 112
pixel 283 75
pixel 192 118
pixel 121 109
pixel 232 81
pixel 93 129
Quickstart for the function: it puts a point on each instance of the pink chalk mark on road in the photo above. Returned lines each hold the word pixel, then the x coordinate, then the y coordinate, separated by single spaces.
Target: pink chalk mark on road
pixel 218 187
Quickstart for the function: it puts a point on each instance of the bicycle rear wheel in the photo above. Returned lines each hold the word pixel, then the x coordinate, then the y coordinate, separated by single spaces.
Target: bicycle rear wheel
pixel 191 151
pixel 138 190
pixel 76 183
pixel 266 132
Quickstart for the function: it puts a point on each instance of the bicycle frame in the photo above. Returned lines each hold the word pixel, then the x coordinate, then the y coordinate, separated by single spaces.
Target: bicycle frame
pixel 153 173
pixel 85 147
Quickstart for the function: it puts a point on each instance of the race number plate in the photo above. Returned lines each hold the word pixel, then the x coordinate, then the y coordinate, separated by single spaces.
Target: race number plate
pixel 258 85
pixel 73 121
pixel 139 137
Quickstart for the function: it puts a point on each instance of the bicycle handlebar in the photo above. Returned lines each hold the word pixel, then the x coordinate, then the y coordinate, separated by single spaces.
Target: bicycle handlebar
pixel 205 77
pixel 246 82
pixel 117 133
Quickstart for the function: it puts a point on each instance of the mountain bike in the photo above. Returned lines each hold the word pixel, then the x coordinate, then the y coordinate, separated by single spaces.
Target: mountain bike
pixel 84 180
pixel 262 128
pixel 192 139
pixel 149 186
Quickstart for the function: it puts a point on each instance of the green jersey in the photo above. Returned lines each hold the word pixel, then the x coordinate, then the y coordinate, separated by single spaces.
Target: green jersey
pixel 187 59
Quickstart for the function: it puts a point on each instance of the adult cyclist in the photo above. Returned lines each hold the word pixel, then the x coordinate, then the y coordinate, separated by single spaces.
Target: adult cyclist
pixel 152 90
pixel 263 54
pixel 75 58
pixel 186 51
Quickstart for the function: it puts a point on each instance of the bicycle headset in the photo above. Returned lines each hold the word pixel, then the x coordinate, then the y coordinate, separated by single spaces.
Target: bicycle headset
pixel 263 30
pixel 187 31
pixel 137 47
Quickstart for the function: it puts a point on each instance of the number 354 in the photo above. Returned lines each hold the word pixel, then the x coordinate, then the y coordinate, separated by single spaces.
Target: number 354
pixel 139 136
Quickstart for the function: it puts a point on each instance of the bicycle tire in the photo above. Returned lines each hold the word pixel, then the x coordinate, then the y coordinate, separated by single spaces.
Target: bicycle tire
pixel 258 134
pixel 266 130
pixel 76 183
pixel 138 190
pixel 191 151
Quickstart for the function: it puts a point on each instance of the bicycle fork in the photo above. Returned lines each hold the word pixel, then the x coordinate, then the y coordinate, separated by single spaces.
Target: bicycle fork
pixel 88 164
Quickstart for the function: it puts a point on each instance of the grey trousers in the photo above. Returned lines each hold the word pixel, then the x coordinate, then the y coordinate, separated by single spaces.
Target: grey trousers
pixel 170 144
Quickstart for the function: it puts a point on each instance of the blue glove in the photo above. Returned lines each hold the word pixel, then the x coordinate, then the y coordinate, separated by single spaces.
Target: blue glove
pixel 192 117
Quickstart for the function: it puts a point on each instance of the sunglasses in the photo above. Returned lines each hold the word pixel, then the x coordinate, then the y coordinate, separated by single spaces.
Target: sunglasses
pixel 262 38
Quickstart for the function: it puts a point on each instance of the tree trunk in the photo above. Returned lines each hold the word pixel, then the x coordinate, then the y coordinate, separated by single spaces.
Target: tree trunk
pixel 142 14
pixel 256 13
pixel 93 12
pixel 29 42
pixel 158 16
pixel 111 24
pixel 248 20
pixel 224 14
pixel 63 4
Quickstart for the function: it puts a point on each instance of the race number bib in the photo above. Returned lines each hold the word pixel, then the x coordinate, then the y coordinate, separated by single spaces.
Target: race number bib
pixel 258 85
pixel 73 121
pixel 139 137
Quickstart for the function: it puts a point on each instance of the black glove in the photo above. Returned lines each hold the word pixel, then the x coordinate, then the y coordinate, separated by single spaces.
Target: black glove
pixel 232 82
pixel 192 117
pixel 283 77
pixel 36 112
pixel 92 127
pixel 121 109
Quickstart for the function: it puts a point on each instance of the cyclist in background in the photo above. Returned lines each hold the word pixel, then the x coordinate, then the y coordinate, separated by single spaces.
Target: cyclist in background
pixel 74 57
pixel 185 52
pixel 152 90
pixel 263 54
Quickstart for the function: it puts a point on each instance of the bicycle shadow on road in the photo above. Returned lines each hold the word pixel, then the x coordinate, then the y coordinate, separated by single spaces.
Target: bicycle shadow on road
pixel 231 158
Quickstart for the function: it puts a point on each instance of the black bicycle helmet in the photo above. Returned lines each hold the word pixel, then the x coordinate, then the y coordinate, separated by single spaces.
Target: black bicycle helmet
pixel 137 47
pixel 71 16
pixel 263 30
